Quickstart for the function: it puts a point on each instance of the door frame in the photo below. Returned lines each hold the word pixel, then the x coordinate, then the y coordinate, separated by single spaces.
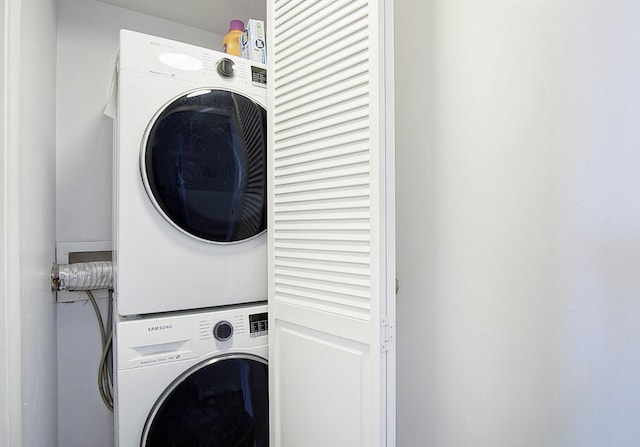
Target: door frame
pixel 387 49
pixel 10 311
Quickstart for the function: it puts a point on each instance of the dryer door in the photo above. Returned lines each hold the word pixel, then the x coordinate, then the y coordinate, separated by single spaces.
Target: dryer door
pixel 203 164
pixel 219 403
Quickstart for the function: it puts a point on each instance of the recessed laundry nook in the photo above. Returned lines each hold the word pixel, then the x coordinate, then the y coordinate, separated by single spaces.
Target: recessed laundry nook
pixel 319 223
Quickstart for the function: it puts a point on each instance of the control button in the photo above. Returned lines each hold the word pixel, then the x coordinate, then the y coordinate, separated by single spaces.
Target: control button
pixel 226 68
pixel 223 330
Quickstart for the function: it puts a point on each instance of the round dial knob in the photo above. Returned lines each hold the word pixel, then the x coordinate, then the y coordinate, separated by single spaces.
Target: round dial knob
pixel 223 330
pixel 225 68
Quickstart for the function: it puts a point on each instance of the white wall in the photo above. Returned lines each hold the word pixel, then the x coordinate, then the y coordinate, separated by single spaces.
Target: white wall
pixel 87 47
pixel 518 223
pixel 37 221
pixel 415 232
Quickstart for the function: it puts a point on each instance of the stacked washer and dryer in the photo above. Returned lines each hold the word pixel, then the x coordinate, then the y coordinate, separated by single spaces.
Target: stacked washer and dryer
pixel 190 337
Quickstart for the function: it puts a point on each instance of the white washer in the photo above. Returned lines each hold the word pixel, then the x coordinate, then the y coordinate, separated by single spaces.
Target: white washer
pixel 193 378
pixel 189 177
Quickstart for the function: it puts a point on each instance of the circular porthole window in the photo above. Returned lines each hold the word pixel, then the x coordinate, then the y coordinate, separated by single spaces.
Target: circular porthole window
pixel 203 164
pixel 219 403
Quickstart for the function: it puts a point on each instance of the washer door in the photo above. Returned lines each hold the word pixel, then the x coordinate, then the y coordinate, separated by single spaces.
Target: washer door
pixel 203 164
pixel 220 403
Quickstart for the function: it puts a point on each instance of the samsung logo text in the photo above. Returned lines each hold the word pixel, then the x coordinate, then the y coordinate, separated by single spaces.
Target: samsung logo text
pixel 161 327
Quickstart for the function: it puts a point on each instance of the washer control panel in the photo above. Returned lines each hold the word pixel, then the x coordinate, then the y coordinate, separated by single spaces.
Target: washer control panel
pixel 155 340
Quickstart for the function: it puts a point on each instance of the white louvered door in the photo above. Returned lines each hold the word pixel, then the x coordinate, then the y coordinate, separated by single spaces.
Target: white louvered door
pixel 331 231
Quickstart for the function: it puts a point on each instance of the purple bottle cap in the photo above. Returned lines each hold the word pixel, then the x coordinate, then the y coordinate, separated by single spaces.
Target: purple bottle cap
pixel 236 25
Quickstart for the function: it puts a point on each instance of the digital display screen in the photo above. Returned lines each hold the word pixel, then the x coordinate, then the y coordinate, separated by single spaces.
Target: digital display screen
pixel 259 76
pixel 258 324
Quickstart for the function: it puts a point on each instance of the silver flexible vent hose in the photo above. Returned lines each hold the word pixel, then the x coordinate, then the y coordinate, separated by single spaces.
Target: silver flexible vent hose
pixel 82 276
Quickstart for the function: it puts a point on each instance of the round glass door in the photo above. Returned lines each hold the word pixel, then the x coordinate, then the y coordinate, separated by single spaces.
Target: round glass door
pixel 220 403
pixel 203 164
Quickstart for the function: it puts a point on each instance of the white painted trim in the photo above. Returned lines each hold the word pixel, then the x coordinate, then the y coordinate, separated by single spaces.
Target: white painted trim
pixel 10 316
pixel 387 49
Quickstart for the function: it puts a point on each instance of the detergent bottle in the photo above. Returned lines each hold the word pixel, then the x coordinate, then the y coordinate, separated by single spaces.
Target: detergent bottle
pixel 231 41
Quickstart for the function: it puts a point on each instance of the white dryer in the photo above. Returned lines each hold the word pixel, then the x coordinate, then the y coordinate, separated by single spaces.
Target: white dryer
pixel 189 177
pixel 193 379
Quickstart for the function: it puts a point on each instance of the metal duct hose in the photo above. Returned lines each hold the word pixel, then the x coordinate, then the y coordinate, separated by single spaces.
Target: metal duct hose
pixel 82 276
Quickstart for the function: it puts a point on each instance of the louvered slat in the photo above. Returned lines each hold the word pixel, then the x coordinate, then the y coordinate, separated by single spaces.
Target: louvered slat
pixel 321 203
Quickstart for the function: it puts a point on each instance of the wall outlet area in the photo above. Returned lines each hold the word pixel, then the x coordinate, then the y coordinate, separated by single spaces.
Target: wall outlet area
pixel 75 252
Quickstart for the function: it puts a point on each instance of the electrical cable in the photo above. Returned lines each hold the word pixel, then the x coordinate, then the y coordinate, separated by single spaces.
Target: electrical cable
pixel 105 385
pixel 96 309
pixel 110 326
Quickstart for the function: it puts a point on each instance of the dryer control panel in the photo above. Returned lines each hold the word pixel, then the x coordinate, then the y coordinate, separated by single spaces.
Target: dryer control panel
pixel 181 61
